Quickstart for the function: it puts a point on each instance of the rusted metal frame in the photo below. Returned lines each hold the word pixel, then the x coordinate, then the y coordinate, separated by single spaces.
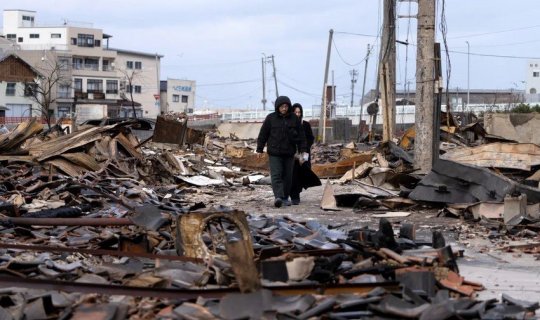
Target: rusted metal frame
pixel 97 190
pixel 144 141
pixel 98 252
pixel 7 281
pixel 67 221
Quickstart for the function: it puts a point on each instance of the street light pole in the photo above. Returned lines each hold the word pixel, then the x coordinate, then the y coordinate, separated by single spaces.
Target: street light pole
pixel 468 73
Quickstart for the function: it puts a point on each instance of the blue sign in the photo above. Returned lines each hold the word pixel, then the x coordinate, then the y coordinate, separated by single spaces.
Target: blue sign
pixel 182 88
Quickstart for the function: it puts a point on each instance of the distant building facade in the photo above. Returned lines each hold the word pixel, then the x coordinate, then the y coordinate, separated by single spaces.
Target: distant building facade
pixel 178 95
pixel 532 84
pixel 98 75
pixel 15 100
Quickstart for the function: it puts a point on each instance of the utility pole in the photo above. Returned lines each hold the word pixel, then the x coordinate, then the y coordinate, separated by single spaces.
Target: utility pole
pixel 360 129
pixel 322 119
pixel 354 74
pixel 387 70
pixel 425 86
pixel 263 63
pixel 468 73
pixel 275 77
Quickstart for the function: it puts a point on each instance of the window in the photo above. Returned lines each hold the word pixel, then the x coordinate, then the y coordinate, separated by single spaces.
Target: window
pixel 129 64
pixel 64 110
pixel 10 89
pixel 20 39
pixel 27 18
pixel 92 64
pixel 85 40
pixel 532 91
pixel 30 89
pixel 94 85
pixel 18 110
pixel 107 65
pixel 97 43
pixel 34 36
pixel 112 86
pixel 56 36
pixel 184 98
pixel 138 65
pixel 11 36
pixel 77 85
pixel 74 41
pixel 175 98
pixel 536 74
pixel 77 63
pixel 63 63
pixel 63 91
pixel 134 89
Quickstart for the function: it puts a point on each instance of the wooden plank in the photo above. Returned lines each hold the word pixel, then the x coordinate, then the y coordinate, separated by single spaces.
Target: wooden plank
pixel 338 169
pixel 83 160
pixel 128 146
pixel 66 167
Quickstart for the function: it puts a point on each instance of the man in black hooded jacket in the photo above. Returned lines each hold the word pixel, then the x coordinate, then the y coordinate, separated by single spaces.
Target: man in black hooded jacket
pixel 283 135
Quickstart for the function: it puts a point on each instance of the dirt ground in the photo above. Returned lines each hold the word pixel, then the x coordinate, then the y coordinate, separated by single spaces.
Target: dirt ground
pixel 516 274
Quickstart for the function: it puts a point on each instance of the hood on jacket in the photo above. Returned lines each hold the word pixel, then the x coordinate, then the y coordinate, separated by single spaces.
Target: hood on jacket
pixel 297 105
pixel 281 100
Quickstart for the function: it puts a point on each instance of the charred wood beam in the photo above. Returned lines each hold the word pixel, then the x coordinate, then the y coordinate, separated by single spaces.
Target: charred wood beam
pixel 10 281
pixel 66 221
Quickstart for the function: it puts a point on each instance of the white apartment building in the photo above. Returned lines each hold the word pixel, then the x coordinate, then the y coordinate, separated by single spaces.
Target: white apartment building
pixel 99 76
pixel 178 95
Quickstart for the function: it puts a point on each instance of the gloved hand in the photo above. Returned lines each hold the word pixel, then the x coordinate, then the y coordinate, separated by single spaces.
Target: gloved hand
pixel 305 156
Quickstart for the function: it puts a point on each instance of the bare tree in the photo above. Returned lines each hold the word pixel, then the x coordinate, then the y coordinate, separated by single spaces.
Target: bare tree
pixel 44 89
pixel 130 75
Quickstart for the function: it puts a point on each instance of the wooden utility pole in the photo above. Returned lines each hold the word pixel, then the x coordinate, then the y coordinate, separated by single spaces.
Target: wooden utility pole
pixel 360 128
pixel 322 118
pixel 263 64
pixel 387 70
pixel 275 76
pixel 425 86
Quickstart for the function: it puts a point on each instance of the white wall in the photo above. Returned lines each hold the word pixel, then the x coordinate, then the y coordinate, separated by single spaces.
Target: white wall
pixel 533 82
pixel 179 88
pixel 146 77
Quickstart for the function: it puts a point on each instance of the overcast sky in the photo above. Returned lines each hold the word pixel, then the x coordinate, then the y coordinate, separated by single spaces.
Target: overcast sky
pixel 220 43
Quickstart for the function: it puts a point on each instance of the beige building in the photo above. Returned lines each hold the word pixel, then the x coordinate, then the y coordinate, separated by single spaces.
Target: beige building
pixel 178 95
pixel 98 75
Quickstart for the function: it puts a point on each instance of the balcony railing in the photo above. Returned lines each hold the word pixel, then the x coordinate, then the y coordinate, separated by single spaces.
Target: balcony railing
pixel 16 120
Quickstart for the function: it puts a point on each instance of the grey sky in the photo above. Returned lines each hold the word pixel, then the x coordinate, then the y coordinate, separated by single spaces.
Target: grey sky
pixel 218 42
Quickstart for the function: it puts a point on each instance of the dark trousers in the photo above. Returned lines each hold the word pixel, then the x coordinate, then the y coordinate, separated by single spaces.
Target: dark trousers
pixel 297 185
pixel 281 169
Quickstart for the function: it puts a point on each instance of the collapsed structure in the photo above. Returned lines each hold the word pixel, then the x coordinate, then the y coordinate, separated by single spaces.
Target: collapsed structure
pixel 99 212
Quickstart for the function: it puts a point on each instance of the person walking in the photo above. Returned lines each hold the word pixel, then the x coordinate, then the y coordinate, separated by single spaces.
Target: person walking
pixel 297 181
pixel 283 135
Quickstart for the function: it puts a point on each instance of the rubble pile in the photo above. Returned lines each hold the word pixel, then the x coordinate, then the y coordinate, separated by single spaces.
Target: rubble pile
pixel 96 224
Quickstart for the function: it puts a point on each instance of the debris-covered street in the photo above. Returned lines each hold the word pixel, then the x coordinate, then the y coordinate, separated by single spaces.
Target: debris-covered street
pixel 97 224
pixel 269 160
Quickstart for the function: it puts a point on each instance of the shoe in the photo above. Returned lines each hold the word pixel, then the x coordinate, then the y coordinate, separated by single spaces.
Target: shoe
pixel 295 201
pixel 286 202
pixel 278 202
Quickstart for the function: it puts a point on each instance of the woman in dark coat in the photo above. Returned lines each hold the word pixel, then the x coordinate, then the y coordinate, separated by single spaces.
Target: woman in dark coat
pixel 297 182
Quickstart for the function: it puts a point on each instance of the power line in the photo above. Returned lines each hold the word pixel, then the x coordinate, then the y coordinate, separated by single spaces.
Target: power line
pixel 235 97
pixel 212 64
pixel 227 83
pixel 357 34
pixel 298 90
pixel 488 54
pixel 494 32
pixel 341 57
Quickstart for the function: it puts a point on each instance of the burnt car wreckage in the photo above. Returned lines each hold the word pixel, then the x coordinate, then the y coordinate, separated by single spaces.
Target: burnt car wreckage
pixel 97 224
